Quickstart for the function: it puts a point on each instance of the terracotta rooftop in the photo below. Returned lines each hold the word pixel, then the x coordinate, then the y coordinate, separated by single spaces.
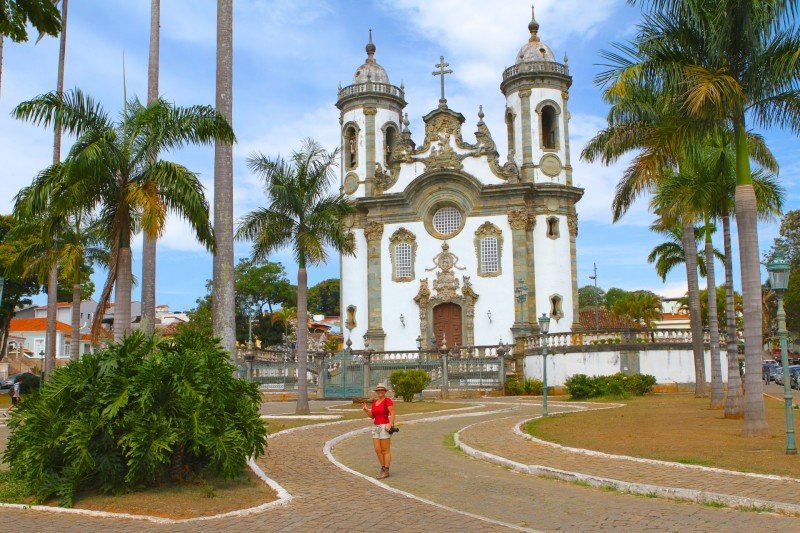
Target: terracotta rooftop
pixel 35 324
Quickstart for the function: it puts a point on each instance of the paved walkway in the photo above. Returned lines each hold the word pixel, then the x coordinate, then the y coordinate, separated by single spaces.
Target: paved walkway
pixel 330 499
pixel 497 437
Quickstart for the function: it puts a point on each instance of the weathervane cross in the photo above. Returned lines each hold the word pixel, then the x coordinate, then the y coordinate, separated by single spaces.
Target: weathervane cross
pixel 442 66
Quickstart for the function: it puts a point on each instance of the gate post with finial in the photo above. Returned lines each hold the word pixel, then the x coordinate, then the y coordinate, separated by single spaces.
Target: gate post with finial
pixel 443 360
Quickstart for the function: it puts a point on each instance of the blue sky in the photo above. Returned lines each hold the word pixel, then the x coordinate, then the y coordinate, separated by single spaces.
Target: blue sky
pixel 289 58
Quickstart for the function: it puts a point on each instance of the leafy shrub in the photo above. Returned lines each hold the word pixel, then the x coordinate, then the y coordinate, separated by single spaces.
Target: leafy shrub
pixel 27 383
pixel 514 387
pixel 619 385
pixel 140 412
pixel 532 386
pixel 407 383
pixel 580 386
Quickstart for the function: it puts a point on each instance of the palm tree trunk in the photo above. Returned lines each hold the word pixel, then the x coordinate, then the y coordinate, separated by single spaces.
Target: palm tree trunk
pixel 717 389
pixel 1 62
pixel 149 241
pixel 122 289
pixel 50 343
pixel 690 254
pixel 755 417
pixel 75 335
pixel 734 401
pixel 302 339
pixel 52 280
pixel 224 312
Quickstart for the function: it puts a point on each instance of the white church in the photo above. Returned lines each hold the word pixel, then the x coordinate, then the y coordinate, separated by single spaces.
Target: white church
pixel 454 243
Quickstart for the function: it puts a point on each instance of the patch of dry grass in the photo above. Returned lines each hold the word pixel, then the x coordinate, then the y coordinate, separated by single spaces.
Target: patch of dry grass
pixel 675 427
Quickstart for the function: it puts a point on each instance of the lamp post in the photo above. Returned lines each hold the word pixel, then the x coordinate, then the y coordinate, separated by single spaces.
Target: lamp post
pixel 778 269
pixel 521 293
pixel 544 327
pixel 596 300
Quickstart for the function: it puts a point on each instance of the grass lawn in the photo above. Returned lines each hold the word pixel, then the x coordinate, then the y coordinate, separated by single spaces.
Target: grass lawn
pixel 353 412
pixel 199 497
pixel 675 427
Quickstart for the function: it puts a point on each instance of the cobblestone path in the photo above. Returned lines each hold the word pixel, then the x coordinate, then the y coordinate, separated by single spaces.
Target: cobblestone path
pixel 497 437
pixel 427 466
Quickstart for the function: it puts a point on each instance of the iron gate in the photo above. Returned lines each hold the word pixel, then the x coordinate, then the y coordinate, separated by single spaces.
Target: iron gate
pixel 343 375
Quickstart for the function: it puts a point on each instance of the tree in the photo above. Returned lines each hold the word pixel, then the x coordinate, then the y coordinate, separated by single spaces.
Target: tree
pixel 728 70
pixel 788 243
pixel 149 239
pixel 259 285
pixel 224 289
pixel 18 287
pixel 109 168
pixel 643 307
pixel 15 16
pixel 722 318
pixel 303 215
pixel 613 294
pixel 590 296
pixel 669 254
pixel 323 298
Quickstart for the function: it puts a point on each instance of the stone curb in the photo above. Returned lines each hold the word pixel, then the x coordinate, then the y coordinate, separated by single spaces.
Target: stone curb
pixel 644 489
pixel 328 451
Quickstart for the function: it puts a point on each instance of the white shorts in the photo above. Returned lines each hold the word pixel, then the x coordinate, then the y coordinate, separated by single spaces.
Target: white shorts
pixel 379 432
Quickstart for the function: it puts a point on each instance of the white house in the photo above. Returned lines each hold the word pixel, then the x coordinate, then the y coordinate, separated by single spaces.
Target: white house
pixel 27 338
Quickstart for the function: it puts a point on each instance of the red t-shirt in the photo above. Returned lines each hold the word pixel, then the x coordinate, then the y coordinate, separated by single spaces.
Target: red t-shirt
pixel 381 416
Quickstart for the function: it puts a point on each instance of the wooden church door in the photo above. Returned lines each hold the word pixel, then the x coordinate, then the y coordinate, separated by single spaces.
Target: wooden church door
pixel 447 323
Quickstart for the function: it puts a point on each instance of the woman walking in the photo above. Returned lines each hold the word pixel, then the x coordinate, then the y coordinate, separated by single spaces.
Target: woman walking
pixel 382 414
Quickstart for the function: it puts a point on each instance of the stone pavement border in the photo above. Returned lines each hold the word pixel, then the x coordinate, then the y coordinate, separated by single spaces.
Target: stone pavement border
pixel 674 493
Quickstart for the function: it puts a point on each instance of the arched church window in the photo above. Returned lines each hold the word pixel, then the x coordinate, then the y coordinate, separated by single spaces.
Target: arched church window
pixel 549 127
pixel 390 139
pixel 447 221
pixel 512 148
pixel 351 147
pixel 552 228
pixel 402 250
pixel 488 247
pixel 555 306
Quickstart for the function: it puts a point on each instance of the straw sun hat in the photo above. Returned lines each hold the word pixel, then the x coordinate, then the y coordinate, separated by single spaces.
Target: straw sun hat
pixel 381 386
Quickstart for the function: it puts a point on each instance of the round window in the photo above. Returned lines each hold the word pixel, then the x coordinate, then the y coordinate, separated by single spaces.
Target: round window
pixel 447 221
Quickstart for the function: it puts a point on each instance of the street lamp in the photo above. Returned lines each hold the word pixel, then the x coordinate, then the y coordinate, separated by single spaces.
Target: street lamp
pixel 778 269
pixel 419 343
pixel 521 293
pixel 544 327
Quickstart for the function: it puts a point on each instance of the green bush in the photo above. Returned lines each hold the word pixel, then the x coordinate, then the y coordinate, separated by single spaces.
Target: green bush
pixel 138 413
pixel 28 383
pixel 581 386
pixel 514 387
pixel 532 386
pixel 407 383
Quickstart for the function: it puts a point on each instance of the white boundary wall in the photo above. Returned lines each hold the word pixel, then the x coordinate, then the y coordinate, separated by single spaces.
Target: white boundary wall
pixel 668 366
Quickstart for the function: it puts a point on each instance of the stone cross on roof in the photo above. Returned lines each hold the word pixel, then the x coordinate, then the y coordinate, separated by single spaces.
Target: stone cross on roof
pixel 442 66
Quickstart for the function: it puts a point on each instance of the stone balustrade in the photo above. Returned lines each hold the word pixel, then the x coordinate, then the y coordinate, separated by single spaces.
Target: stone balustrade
pixel 534 67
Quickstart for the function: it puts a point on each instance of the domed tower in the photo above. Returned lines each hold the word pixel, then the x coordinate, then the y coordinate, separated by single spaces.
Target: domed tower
pixel 371 114
pixel 536 88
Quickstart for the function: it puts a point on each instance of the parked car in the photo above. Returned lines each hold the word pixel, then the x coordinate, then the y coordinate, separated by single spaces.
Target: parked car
pixel 792 370
pixel 768 367
pixel 27 382
pixel 794 377
pixel 775 371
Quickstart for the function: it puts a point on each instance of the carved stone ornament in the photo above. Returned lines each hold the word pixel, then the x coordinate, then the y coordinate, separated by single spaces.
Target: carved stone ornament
pixel 373 231
pixel 572 223
pixel 370 111
pixel 551 204
pixel 446 284
pixel 442 159
pixel 519 219
pixel 383 180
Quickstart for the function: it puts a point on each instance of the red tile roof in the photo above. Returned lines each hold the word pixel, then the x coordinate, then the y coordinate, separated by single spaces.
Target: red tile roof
pixel 35 324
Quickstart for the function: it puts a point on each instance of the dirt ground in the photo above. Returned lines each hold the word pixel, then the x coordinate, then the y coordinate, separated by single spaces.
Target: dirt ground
pixel 676 427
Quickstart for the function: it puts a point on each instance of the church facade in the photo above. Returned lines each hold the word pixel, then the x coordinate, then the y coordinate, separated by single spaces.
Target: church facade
pixel 455 245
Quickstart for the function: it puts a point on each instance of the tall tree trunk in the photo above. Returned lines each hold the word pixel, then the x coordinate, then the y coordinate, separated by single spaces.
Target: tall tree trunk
pixel 75 335
pixel 52 279
pixel 1 62
pixel 149 241
pixel 224 313
pixel 734 400
pixel 50 343
pixel 302 339
pixel 690 254
pixel 717 389
pixel 122 293
pixel 755 417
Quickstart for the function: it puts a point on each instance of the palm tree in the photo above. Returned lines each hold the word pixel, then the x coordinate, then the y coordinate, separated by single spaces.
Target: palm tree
pixel 109 169
pixel 43 15
pixel 669 254
pixel 149 240
pixel 224 297
pixel 283 317
pixel 303 215
pixel 643 307
pixel 729 62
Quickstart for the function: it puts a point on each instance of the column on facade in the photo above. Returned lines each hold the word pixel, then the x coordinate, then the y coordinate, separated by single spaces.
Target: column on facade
pixel 530 312
pixel 527 133
pixel 565 114
pixel 572 224
pixel 369 141
pixel 373 231
pixel 518 219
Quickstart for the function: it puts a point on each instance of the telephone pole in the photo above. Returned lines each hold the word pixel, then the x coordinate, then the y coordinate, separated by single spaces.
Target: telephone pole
pixel 596 302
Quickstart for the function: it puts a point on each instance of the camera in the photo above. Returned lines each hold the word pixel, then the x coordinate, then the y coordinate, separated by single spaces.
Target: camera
pixel 392 430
